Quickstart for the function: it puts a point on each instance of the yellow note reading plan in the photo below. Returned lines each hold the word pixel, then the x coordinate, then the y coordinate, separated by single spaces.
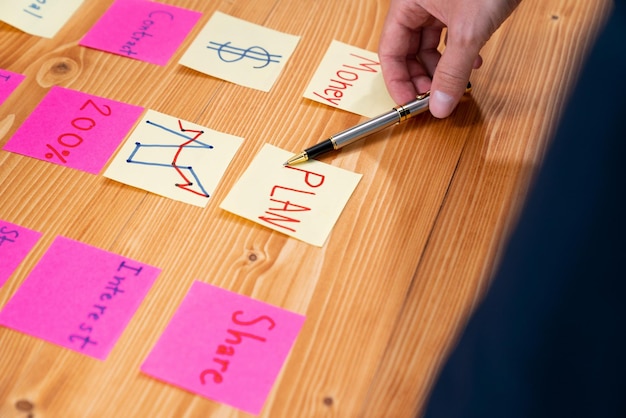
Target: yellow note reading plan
pixel 303 201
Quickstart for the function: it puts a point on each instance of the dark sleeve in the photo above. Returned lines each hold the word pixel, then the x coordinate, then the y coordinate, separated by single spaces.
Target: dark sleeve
pixel 549 339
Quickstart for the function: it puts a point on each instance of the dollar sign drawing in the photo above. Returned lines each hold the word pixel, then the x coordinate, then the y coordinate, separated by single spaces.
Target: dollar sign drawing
pixel 228 53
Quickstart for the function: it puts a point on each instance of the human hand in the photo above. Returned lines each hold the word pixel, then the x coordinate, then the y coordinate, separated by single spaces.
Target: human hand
pixel 410 37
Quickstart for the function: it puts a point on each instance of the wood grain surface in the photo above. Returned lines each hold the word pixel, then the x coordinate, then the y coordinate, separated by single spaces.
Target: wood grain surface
pixel 411 255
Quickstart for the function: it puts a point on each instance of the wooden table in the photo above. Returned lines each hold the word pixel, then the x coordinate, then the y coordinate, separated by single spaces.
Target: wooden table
pixel 387 295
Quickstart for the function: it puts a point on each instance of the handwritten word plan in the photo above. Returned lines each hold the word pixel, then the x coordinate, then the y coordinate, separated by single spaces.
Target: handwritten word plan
pixel 174 158
pixel 79 297
pixel 15 244
pixel 74 129
pixel 240 52
pixel 224 346
pixel 8 83
pixel 41 18
pixel 302 201
pixel 141 29
pixel 350 78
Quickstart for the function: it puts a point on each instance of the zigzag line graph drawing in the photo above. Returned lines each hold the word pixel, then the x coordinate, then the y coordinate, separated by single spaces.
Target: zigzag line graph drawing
pixel 193 184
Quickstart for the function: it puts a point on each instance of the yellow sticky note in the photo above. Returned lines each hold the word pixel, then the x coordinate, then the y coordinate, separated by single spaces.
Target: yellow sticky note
pixel 350 78
pixel 303 201
pixel 240 52
pixel 39 18
pixel 174 158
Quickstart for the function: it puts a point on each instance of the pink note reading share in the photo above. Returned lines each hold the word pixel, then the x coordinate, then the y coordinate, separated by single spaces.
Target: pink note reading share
pixel 224 346
pixel 15 244
pixel 74 129
pixel 79 297
pixel 140 29
pixel 8 82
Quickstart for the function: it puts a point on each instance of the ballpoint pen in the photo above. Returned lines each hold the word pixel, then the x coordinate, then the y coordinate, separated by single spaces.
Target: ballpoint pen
pixel 397 115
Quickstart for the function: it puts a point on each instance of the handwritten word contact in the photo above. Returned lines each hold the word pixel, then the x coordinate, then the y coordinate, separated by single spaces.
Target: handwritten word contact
pixel 142 31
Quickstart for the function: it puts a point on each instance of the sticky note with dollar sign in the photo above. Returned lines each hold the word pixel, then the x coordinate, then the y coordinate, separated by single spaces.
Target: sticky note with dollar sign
pixel 240 52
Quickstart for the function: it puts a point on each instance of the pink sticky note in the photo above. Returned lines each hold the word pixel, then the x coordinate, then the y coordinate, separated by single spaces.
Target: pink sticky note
pixel 224 346
pixel 15 243
pixel 141 29
pixel 74 129
pixel 8 82
pixel 79 297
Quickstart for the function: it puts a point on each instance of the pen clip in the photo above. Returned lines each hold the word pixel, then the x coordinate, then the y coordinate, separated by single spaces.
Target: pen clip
pixel 416 107
pixel 419 105
pixel 422 96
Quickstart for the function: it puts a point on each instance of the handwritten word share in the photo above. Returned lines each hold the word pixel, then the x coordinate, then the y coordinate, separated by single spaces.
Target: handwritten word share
pixel 232 358
pixel 74 129
pixel 15 244
pixel 240 52
pixel 141 29
pixel 302 201
pixel 174 158
pixel 38 17
pixel 8 83
pixel 79 297
pixel 350 78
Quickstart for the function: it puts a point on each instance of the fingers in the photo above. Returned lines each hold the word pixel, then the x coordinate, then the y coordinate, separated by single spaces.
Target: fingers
pixel 411 35
pixel 428 53
pixel 452 74
pixel 403 70
pixel 396 41
pixel 478 62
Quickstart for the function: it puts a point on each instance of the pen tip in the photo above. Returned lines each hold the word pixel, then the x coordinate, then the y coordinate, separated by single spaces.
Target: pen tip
pixel 297 159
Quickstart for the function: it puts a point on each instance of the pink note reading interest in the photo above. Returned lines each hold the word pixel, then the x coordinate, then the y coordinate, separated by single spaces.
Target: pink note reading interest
pixel 224 346
pixel 79 297
pixel 74 129
pixel 143 30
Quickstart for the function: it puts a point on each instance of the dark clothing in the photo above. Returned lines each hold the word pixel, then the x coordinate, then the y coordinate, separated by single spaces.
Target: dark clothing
pixel 549 339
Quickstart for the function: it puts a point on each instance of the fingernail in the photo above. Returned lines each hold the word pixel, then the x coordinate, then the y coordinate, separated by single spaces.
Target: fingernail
pixel 441 104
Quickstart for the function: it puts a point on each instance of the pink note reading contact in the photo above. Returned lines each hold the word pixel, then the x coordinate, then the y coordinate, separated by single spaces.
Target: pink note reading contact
pixel 15 243
pixel 224 346
pixel 79 297
pixel 74 129
pixel 143 30
pixel 8 82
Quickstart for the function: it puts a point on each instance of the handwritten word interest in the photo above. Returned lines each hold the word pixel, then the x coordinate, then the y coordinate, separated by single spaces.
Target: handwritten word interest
pixel 111 289
pixel 31 8
pixel 281 196
pixel 226 352
pixel 142 31
pixel 338 86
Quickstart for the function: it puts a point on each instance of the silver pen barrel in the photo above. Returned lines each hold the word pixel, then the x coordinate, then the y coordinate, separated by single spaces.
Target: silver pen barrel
pixel 396 115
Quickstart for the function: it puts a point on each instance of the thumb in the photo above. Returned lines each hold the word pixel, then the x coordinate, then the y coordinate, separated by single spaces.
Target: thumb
pixel 450 79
